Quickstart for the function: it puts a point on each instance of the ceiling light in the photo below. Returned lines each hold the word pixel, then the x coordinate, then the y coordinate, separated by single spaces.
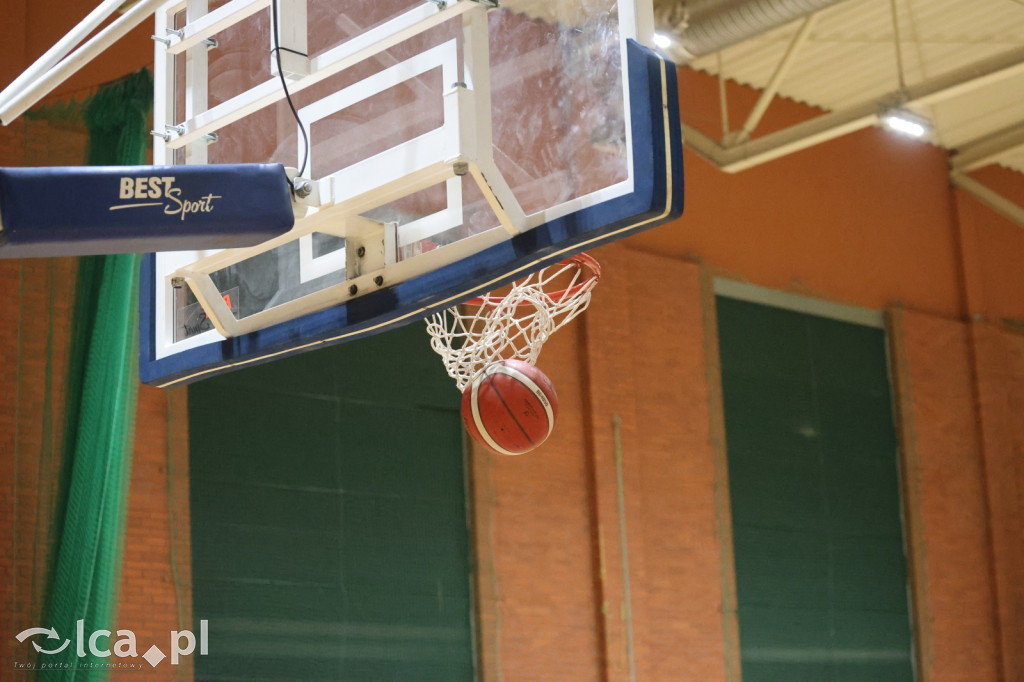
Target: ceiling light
pixel 662 40
pixel 906 122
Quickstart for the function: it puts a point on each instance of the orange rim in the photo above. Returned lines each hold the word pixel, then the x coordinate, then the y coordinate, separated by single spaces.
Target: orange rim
pixel 580 260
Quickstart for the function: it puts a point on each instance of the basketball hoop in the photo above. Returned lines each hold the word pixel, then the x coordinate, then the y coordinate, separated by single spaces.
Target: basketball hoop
pixel 515 325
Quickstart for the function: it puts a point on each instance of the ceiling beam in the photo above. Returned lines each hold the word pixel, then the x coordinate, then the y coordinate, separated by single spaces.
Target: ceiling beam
pixel 63 60
pixel 781 71
pixel 986 150
pixel 989 197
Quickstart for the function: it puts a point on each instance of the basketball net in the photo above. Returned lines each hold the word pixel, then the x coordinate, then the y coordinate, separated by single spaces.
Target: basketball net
pixel 515 325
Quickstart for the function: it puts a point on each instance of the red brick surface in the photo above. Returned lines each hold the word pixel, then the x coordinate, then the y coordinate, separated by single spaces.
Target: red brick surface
pixel 534 525
pixel 945 501
pixel 999 354
pixel 9 272
pixel 156 592
pixel 12 143
pixel 648 366
pixel 645 370
pixel 35 321
pixel 54 144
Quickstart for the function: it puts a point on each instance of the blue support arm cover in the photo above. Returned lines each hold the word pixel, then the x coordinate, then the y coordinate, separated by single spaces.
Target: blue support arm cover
pixel 88 210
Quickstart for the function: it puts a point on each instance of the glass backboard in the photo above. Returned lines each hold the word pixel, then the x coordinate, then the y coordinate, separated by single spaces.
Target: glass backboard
pixel 442 148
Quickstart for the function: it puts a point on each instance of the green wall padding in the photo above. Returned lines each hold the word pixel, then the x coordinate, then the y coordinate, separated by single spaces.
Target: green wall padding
pixel 101 397
pixel 821 576
pixel 329 523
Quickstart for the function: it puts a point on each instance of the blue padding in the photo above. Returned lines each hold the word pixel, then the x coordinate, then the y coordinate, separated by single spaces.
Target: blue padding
pixel 84 210
pixel 657 198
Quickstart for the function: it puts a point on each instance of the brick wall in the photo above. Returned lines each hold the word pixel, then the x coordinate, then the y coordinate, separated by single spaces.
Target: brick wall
pixel 998 356
pixel 11 143
pixel 156 579
pixel 950 564
pixel 539 576
pixel 34 327
pixel 554 539
pixel 54 143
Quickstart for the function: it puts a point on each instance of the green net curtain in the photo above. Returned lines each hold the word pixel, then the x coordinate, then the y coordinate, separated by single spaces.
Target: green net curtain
pixel 101 389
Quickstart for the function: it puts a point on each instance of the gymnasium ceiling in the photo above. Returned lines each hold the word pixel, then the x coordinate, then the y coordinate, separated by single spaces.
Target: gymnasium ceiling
pixel 962 62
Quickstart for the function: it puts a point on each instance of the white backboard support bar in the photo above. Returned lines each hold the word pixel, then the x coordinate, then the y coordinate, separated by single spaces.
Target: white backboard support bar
pixel 60 63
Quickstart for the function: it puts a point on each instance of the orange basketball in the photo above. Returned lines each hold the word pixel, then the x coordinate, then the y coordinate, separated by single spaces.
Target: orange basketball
pixel 510 407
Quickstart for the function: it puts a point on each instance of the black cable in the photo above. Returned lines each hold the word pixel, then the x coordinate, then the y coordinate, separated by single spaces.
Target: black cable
pixel 277 49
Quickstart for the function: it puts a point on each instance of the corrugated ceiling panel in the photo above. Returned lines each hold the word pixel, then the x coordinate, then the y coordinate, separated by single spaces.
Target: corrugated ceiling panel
pixel 851 58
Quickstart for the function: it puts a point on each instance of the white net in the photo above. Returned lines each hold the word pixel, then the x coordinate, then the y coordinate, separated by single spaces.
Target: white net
pixel 491 328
